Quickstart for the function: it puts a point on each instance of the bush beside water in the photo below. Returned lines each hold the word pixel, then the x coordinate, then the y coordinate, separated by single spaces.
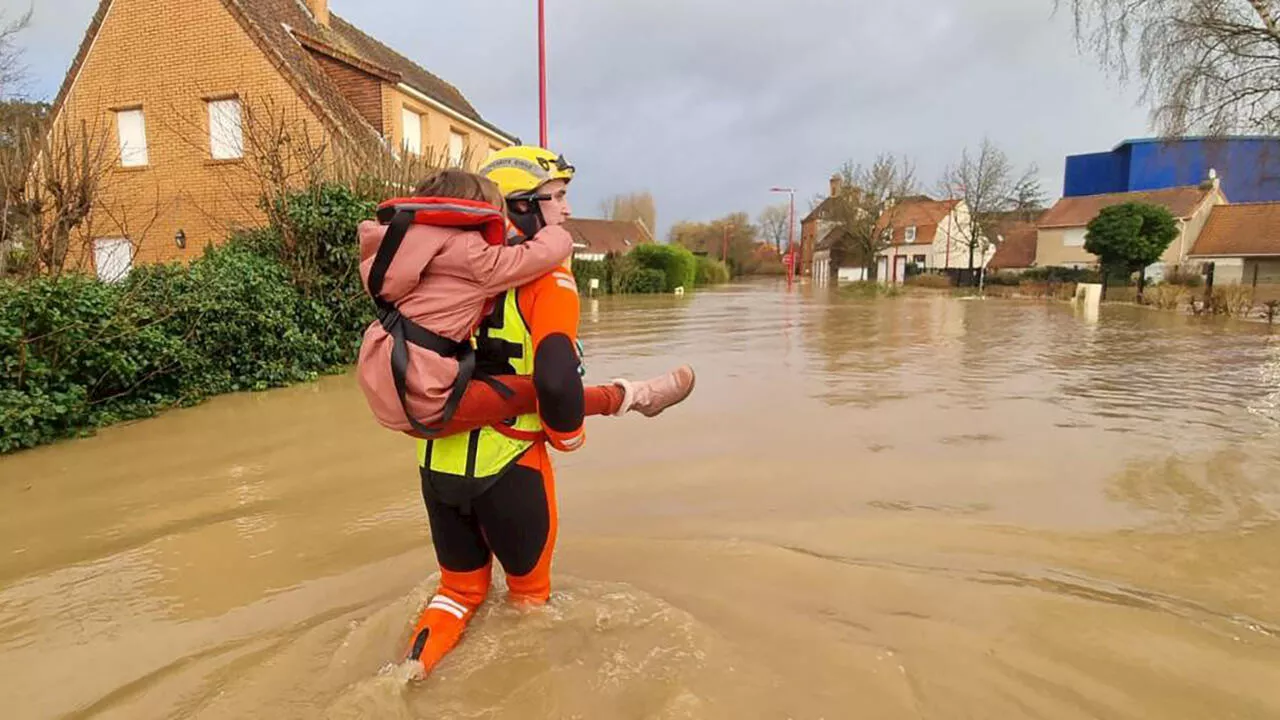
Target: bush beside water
pixel 271 307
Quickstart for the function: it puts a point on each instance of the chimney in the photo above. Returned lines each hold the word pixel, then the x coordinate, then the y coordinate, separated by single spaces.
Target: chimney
pixel 837 183
pixel 319 10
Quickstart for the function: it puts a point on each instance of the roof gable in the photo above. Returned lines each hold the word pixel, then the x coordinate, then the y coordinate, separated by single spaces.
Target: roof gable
pixel 287 34
pixel 922 213
pixel 1240 231
pixel 1078 211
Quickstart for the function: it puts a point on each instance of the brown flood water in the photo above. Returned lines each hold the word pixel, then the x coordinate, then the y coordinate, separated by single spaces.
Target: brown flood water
pixel 909 508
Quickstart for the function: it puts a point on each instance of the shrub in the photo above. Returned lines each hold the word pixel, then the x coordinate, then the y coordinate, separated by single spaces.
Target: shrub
pixel 929 280
pixel 678 266
pixel 256 313
pixel 1168 296
pixel 1184 277
pixel 1231 300
pixel 586 270
pixel 1006 279
pixel 711 272
pixel 638 280
pixel 1058 274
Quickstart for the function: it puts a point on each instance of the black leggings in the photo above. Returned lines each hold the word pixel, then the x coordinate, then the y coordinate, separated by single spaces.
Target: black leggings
pixel 513 520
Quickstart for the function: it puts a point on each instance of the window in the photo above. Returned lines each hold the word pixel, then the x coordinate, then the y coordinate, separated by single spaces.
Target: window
pixel 132 129
pixel 457 147
pixel 226 133
pixel 412 132
pixel 113 258
pixel 1074 237
pixel 920 260
pixel 910 234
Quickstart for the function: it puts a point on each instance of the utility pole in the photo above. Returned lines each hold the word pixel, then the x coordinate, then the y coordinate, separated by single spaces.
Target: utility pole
pixel 542 72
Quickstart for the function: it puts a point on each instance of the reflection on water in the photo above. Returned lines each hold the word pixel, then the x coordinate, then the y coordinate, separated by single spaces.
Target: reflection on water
pixel 907 507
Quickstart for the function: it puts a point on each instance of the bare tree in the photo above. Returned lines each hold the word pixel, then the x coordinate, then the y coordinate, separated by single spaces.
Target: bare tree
pixel 1207 65
pixel 631 207
pixel 13 73
pixel 773 223
pixel 988 188
pixel 55 185
pixel 865 207
pixel 732 239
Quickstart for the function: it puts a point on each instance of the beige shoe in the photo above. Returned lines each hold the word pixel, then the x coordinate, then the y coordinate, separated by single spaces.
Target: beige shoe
pixel 650 397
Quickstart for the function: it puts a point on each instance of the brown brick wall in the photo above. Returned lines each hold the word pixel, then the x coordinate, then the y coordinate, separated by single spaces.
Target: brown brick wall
pixel 363 90
pixel 168 57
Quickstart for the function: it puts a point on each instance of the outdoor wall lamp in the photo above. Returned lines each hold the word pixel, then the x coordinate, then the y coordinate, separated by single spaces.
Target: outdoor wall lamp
pixel 180 239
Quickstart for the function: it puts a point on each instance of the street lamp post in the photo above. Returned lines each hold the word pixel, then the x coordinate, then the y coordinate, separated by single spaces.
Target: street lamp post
pixel 791 233
pixel 542 72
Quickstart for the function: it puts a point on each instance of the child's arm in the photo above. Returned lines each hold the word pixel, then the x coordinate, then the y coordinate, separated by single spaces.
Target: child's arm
pixel 552 312
pixel 503 267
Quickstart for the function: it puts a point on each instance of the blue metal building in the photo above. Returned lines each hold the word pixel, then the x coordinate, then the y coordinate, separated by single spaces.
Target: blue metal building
pixel 1249 167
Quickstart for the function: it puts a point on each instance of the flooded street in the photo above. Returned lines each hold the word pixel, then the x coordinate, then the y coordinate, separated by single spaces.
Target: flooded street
pixel 916 507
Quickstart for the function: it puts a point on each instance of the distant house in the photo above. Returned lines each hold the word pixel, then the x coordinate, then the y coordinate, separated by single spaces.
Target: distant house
pixel 175 87
pixel 1015 242
pixel 1249 166
pixel 1243 243
pixel 930 234
pixel 815 245
pixel 1060 235
pixel 596 239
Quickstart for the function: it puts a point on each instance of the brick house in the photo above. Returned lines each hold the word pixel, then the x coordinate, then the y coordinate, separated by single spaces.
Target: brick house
pixel 172 87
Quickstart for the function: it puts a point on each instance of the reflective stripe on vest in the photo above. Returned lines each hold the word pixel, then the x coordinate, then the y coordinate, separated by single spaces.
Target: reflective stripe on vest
pixel 486 452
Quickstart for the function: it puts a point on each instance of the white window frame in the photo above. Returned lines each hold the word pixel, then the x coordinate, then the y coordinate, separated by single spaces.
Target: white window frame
pixel 131 131
pixel 410 139
pixel 226 129
pixel 909 235
pixel 457 147
pixel 109 267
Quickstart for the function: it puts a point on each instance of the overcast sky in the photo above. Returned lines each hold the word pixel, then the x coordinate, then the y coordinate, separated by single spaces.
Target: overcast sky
pixel 709 103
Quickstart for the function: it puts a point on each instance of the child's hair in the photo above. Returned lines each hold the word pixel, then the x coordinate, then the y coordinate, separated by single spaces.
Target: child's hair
pixel 453 183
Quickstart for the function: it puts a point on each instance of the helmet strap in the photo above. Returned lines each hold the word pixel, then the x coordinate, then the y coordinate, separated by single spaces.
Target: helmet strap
pixel 529 223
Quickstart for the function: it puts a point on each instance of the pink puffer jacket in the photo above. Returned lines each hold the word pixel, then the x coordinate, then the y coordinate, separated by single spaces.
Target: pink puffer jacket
pixel 440 279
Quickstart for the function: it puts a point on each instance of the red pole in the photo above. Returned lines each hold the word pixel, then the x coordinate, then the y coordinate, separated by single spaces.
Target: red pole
pixel 791 240
pixel 542 71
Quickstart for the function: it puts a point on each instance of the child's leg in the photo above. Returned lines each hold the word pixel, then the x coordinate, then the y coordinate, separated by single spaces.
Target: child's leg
pixel 482 405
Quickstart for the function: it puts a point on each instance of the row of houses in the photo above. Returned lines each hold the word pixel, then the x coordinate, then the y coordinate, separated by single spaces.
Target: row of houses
pixel 173 87
pixel 1241 239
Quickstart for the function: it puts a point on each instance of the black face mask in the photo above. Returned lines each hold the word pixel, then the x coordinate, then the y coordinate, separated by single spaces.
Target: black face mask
pixel 529 223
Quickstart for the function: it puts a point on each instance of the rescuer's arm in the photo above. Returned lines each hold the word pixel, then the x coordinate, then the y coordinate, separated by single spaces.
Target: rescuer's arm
pixel 550 307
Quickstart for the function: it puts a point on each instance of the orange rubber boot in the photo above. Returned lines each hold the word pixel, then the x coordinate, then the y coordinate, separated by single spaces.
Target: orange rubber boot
pixel 441 624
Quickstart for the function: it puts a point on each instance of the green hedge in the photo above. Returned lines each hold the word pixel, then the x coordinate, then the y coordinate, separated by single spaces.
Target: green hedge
pixel 711 272
pixel 642 280
pixel 80 354
pixel 678 266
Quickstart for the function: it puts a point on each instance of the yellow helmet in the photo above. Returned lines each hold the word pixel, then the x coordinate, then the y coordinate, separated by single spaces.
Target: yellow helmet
pixel 520 170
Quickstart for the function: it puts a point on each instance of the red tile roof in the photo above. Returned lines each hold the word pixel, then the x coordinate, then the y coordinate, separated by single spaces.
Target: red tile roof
pixel 1079 211
pixel 922 212
pixel 607 236
pixel 1017 251
pixel 1247 230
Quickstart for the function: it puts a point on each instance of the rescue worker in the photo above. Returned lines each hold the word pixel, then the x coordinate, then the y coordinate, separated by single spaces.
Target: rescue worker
pixel 491 492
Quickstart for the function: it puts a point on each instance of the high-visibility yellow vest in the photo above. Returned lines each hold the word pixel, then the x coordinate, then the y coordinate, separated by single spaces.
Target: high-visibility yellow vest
pixel 485 453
